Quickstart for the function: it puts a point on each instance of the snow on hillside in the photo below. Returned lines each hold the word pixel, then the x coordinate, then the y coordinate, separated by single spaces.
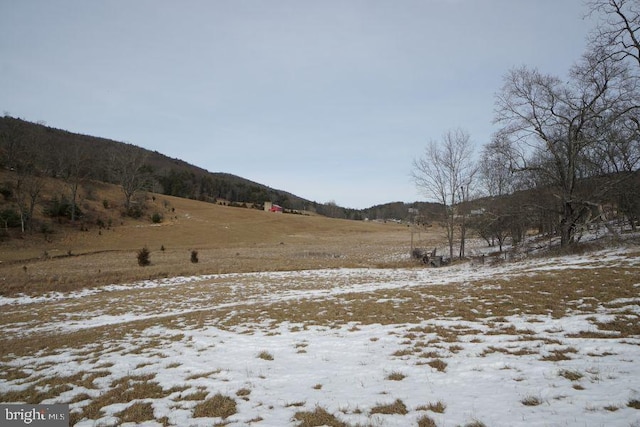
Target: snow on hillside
pixel 517 370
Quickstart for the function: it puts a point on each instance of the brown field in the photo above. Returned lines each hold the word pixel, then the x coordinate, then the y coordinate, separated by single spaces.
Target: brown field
pixel 227 239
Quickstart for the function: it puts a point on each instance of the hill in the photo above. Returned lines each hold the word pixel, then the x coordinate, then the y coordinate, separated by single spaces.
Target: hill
pixel 67 221
pixel 54 152
pixel 51 151
pixel 101 247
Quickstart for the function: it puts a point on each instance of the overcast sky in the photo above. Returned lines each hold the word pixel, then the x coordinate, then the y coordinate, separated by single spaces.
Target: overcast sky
pixel 330 100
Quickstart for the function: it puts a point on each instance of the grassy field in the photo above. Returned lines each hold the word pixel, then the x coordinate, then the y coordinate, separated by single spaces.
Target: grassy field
pixel 226 239
pixel 307 321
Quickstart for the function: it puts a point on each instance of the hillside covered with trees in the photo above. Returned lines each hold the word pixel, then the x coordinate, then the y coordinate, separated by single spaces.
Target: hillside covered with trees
pixel 37 149
pixel 32 153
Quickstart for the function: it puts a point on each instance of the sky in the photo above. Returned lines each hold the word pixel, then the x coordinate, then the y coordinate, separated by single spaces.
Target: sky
pixel 329 100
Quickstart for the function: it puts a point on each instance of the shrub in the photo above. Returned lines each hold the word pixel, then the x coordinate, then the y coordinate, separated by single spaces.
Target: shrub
pixel 10 218
pixel 194 257
pixel 135 211
pixel 143 257
pixel 156 218
pixel 62 208
pixel 46 229
pixel 6 192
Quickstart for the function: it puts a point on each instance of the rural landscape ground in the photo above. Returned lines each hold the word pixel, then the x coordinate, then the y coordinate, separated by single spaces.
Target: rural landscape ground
pixel 302 320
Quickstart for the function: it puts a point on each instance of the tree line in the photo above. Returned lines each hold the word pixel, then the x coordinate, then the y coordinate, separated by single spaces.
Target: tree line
pixel 566 153
pixel 32 152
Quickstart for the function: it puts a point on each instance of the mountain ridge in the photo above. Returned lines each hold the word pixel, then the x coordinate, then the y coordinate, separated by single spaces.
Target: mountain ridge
pixel 172 176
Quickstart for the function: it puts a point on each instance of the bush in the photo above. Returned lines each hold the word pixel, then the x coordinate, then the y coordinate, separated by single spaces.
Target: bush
pixel 61 208
pixel 135 211
pixel 10 218
pixel 46 229
pixel 194 257
pixel 156 218
pixel 143 257
pixel 6 192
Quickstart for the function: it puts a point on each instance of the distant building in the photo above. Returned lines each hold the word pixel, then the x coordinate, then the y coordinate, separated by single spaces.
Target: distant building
pixel 270 207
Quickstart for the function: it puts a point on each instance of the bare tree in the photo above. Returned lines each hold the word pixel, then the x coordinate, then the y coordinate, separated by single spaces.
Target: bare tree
pixel 74 169
pixel 28 188
pixel 28 183
pixel 130 171
pixel 555 128
pixel 495 173
pixel 444 174
pixel 618 33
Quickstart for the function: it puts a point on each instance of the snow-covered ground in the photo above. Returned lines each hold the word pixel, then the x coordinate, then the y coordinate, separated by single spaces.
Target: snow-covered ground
pixel 191 338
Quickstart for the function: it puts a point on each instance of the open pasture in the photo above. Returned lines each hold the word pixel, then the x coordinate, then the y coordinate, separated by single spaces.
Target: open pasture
pixel 552 341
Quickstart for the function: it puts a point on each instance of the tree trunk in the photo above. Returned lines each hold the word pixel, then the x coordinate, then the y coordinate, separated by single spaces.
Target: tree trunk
pixel 567 226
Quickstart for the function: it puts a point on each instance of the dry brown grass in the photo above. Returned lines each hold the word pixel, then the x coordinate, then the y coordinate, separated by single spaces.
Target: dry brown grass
pixel 217 406
pixel 124 390
pixel 559 354
pixel 227 239
pixel 438 407
pixel 51 387
pixel 438 364
pixel 425 421
pixel 195 396
pixel 531 401
pixel 319 417
pixel 265 355
pixel 243 393
pixel 136 413
pixel 396 376
pixel 397 407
